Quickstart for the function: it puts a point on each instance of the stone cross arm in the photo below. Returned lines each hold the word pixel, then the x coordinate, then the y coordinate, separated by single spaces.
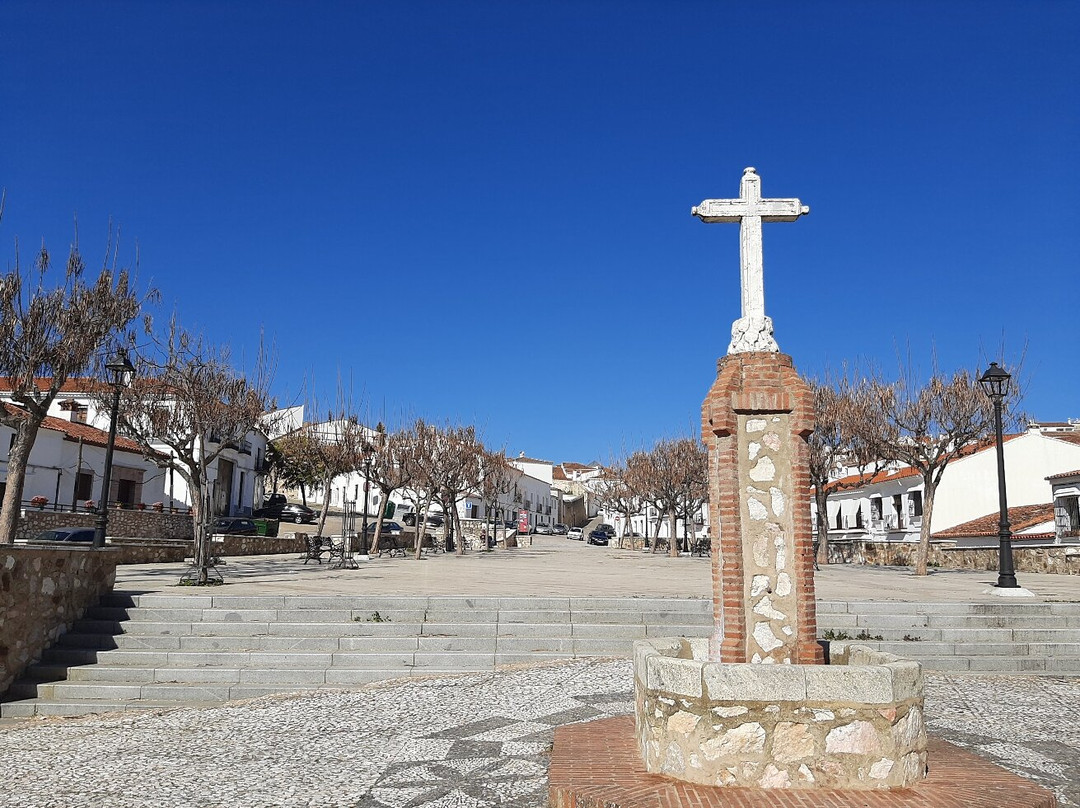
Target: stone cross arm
pixel 734 210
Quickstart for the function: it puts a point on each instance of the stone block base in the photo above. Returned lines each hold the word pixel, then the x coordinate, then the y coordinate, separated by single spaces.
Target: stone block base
pixel 597 765
pixel 856 723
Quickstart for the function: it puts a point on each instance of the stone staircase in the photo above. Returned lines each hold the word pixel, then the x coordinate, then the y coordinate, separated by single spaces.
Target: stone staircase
pixel 160 651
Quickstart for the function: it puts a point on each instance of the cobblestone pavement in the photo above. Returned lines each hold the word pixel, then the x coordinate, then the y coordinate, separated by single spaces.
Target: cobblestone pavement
pixel 467 741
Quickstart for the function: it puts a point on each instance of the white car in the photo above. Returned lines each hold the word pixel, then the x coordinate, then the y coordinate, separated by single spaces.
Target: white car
pixel 575 533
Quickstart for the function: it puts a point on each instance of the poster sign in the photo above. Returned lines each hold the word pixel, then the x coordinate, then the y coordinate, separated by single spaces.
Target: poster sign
pixel 523 521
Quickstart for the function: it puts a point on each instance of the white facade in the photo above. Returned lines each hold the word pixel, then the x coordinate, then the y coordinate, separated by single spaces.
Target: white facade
pixel 67 471
pixel 236 475
pixel 892 504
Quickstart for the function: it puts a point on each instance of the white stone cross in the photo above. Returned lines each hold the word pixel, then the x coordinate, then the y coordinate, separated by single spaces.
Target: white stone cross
pixel 753 331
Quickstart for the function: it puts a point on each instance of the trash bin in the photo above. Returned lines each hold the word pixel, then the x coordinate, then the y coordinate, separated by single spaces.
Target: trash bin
pixel 260 527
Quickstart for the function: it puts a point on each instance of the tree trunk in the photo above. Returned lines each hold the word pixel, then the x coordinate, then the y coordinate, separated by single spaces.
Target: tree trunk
pixel 922 556
pixel 673 540
pixel 421 526
pixel 18 459
pixel 821 497
pixel 459 537
pixel 200 510
pixel 326 503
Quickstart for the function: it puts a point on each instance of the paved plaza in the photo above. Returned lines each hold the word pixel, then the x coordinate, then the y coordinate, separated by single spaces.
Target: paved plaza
pixel 476 739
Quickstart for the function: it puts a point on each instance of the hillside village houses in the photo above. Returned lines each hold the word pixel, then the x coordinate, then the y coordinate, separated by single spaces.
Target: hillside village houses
pixel 67 461
pixel 889 506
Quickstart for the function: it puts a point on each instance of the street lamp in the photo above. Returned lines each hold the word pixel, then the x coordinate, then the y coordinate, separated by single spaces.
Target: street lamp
pixel 122 370
pixel 995 383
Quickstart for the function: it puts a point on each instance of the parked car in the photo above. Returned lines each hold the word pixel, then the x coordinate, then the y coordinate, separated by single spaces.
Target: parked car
pixel 79 534
pixel 559 529
pixel 599 536
pixel 234 526
pixel 287 512
pixel 432 519
pixel 609 529
pixel 388 528
pixel 575 533
pixel 543 530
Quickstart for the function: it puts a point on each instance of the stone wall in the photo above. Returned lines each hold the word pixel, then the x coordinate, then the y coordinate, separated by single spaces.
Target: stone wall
pixel 122 523
pixel 1059 560
pixel 43 590
pixel 856 723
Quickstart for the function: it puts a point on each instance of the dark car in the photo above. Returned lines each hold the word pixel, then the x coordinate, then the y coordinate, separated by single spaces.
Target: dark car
pixel 559 529
pixel 609 529
pixel 79 534
pixel 287 512
pixel 599 536
pixel 234 526
pixel 432 519
pixel 388 528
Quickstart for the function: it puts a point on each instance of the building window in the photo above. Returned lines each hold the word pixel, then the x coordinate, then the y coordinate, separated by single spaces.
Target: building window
pixel 84 486
pixel 1067 516
pixel 915 504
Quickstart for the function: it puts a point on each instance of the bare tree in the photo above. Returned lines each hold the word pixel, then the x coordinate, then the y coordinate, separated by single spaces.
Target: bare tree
pixel 47 336
pixel 336 447
pixel 456 472
pixel 690 466
pixel 497 479
pixel 926 426
pixel 390 469
pixel 420 459
pixel 837 445
pixel 189 399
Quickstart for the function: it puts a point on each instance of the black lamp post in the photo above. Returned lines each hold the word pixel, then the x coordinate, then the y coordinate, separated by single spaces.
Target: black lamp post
pixel 995 383
pixel 121 369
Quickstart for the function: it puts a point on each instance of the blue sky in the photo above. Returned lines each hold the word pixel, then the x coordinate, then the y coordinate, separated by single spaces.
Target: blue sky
pixel 480 212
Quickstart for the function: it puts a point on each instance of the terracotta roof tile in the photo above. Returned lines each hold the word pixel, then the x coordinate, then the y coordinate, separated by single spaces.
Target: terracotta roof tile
pixel 74 431
pixel 77 385
pixel 1020 518
pixel 1064 474
pixel 886 476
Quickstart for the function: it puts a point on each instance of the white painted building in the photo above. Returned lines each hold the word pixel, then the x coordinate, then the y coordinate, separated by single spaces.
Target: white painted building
pixel 236 475
pixel 67 462
pixel 890 505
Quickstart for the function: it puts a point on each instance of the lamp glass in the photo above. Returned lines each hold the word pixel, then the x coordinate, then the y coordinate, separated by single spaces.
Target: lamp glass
pixel 995 382
pixel 121 368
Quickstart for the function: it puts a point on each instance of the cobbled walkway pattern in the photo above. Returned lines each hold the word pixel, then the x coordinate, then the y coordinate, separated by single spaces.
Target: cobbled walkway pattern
pixel 468 741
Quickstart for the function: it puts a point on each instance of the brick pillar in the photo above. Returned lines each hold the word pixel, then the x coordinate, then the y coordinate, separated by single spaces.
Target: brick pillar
pixel 755 421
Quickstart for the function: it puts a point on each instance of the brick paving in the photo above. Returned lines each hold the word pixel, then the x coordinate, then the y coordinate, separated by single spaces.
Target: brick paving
pixel 597 765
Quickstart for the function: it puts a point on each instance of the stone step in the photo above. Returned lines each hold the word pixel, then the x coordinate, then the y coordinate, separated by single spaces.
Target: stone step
pixel 826 607
pixel 166 650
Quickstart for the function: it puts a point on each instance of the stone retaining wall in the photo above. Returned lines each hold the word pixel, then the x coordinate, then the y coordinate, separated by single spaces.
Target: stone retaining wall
pixel 1060 560
pixel 43 590
pixel 122 523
